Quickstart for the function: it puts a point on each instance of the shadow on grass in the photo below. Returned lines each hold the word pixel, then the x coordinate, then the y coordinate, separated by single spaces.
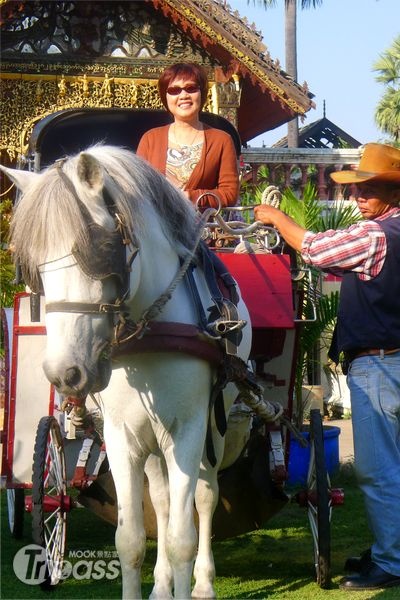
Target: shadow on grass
pixel 270 563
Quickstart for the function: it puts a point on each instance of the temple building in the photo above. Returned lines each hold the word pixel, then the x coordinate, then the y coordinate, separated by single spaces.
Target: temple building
pixel 58 55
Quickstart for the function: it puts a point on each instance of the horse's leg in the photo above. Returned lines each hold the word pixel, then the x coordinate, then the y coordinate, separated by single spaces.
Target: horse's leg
pixel 183 462
pixel 130 536
pixel 159 493
pixel 206 499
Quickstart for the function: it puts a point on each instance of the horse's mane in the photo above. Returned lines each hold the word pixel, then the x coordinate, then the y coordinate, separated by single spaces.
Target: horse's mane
pixel 47 216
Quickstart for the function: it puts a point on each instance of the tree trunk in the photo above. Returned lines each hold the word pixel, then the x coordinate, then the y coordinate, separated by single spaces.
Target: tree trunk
pixel 291 63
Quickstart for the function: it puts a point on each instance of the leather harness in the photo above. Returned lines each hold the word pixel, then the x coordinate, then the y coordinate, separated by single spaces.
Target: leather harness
pixel 215 340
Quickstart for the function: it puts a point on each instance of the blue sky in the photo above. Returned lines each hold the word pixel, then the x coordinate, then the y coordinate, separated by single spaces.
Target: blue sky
pixel 337 45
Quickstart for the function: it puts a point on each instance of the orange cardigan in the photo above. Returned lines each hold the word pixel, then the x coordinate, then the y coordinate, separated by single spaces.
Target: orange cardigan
pixel 217 170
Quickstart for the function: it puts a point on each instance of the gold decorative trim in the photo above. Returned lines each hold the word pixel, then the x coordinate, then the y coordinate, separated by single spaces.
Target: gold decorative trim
pixel 28 98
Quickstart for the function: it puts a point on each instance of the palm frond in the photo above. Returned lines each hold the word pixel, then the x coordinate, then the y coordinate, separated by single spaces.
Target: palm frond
pixel 338 216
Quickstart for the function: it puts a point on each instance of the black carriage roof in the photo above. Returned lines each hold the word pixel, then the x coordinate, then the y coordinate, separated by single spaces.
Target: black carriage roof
pixel 70 131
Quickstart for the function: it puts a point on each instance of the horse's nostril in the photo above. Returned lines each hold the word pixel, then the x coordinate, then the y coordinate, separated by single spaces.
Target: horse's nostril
pixel 72 376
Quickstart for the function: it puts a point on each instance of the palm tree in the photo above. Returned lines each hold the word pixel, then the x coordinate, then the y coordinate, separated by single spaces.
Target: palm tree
pixel 387 114
pixel 290 50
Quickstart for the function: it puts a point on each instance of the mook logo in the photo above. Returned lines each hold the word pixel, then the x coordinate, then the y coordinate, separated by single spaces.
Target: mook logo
pixel 32 567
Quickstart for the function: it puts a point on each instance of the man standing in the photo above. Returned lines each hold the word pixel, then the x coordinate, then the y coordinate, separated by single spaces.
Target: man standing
pixel 367 255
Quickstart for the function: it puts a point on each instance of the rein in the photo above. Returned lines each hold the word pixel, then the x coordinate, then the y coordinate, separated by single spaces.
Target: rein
pixel 141 326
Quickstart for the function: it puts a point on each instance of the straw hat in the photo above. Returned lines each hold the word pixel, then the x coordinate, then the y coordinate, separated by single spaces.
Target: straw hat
pixel 379 163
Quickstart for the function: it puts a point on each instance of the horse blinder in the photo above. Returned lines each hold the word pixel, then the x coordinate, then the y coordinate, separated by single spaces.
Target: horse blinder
pixel 103 256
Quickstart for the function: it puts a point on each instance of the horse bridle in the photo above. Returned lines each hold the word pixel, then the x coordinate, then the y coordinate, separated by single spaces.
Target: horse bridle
pixel 112 260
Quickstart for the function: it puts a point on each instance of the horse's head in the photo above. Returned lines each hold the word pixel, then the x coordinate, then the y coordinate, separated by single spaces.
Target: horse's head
pixel 68 238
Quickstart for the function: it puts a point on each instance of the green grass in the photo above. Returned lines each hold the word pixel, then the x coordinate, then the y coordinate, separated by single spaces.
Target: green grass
pixel 275 562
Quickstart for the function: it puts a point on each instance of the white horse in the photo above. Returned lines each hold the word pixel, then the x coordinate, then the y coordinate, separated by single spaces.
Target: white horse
pixel 67 227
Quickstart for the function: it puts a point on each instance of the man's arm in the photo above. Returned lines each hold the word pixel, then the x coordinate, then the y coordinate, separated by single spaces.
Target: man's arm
pixel 292 233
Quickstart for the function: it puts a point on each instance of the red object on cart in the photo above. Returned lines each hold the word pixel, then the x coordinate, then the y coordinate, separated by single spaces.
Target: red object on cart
pixel 266 287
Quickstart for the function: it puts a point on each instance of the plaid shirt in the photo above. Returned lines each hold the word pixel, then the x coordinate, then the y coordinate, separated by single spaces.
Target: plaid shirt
pixel 360 248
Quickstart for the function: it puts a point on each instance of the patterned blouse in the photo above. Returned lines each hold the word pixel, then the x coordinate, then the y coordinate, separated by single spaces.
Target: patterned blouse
pixel 181 160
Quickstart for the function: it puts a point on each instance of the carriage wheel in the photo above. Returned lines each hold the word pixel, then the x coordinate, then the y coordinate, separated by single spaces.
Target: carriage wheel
pixel 319 501
pixel 16 511
pixel 49 497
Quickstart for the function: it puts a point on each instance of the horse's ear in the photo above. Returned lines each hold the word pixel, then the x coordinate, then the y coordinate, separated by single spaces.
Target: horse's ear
pixel 22 179
pixel 90 171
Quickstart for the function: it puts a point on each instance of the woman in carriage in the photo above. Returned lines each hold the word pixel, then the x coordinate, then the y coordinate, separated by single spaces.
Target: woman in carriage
pixel 196 158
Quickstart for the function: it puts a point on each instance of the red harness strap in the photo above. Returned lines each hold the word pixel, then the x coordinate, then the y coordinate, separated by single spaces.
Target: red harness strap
pixel 172 337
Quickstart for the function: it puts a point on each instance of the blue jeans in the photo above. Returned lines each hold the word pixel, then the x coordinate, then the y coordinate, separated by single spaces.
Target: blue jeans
pixel 374 384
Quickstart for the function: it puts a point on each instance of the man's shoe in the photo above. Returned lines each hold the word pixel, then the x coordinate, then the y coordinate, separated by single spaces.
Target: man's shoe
pixel 374 578
pixel 356 564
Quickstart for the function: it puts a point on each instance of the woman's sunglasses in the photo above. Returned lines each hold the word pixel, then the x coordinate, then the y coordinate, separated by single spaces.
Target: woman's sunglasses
pixel 175 90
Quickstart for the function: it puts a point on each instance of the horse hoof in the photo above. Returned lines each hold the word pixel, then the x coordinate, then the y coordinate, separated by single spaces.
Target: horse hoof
pixel 203 594
pixel 160 594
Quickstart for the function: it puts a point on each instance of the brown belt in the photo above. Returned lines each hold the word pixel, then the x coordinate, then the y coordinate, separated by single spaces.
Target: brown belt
pixel 352 354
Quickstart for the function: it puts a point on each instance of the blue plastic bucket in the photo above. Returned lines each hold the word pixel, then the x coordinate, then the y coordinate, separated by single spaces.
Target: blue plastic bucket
pixel 299 457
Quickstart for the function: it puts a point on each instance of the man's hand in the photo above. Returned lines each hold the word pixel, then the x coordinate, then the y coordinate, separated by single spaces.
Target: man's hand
pixel 292 233
pixel 265 214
